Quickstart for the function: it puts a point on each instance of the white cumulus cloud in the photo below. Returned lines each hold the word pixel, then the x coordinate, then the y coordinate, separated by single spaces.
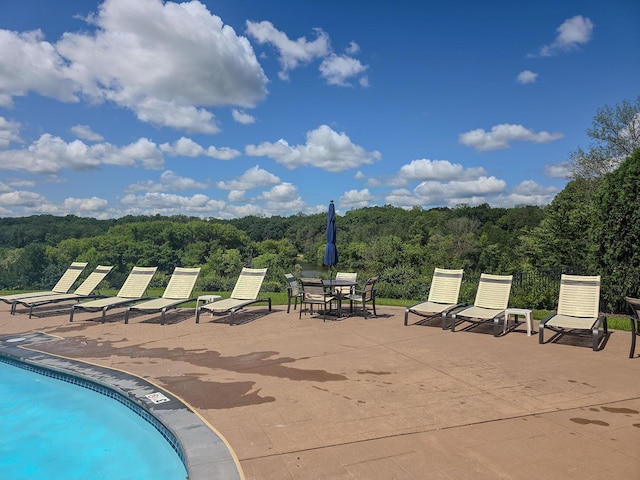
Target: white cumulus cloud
pixel 325 149
pixel 502 135
pixel 253 178
pixel 572 33
pixel 136 56
pixel 527 76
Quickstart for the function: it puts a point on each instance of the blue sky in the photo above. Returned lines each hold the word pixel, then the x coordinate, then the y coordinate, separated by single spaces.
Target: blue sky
pixel 232 108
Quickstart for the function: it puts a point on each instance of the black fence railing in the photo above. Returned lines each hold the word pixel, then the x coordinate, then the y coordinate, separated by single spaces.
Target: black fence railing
pixel 539 289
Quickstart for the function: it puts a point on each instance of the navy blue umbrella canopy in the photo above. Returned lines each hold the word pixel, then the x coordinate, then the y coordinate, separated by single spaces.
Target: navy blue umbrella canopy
pixel 331 251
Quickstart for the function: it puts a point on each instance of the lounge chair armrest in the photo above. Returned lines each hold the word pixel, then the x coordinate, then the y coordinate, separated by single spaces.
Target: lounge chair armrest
pixel 547 318
pixel 602 320
pixel 456 306
pixel 413 305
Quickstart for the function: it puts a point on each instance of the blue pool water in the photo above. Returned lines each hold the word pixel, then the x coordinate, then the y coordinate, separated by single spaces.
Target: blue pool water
pixel 55 430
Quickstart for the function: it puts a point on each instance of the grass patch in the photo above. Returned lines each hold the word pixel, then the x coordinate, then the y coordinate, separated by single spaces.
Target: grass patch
pixel 615 321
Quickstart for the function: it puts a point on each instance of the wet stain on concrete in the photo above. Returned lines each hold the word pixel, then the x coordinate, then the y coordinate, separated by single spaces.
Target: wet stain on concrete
pixel 637 425
pixel 586 421
pixel 70 327
pixel 259 363
pixel 370 372
pixel 214 395
pixel 620 410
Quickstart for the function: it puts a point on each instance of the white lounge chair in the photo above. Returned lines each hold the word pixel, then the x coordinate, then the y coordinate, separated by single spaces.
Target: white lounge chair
pixel 578 310
pixel 178 291
pixel 244 293
pixel 84 291
pixel 492 299
pixel 132 291
pixel 64 284
pixel 443 296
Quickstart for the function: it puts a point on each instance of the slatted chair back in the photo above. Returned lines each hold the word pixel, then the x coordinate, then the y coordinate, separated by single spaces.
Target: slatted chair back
pixel 249 283
pixel 368 291
pixel 579 296
pixel 348 276
pixel 137 282
pixel 312 289
pixel 445 286
pixel 181 283
pixel 69 277
pixel 93 280
pixel 292 285
pixel 493 291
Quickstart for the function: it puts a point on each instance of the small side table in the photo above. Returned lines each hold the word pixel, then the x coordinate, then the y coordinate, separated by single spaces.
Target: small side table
pixel 519 311
pixel 206 299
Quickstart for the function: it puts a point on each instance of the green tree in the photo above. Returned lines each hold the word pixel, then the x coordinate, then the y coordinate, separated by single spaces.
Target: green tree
pixel 562 241
pixel 616 232
pixel 615 134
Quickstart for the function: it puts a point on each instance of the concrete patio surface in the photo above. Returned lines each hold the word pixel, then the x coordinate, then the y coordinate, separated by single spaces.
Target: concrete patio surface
pixel 359 398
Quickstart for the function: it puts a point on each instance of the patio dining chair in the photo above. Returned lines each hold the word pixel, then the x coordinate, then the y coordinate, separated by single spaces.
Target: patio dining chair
pixel 293 291
pixel 341 291
pixel 364 296
pixel 314 293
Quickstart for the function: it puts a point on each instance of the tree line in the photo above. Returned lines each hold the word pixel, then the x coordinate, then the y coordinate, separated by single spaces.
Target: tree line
pixel 591 227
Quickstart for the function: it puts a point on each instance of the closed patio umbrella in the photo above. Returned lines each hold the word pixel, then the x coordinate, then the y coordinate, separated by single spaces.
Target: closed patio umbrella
pixel 331 251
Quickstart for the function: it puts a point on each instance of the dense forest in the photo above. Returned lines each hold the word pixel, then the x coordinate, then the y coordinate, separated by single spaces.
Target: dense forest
pixel 591 227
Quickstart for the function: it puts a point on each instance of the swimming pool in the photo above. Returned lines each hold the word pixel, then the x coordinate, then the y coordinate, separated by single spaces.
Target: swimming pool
pixel 202 449
pixel 53 429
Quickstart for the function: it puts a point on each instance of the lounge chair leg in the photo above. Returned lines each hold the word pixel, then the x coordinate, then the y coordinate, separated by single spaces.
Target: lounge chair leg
pixel 496 326
pixel 71 315
pixel 198 315
pixel 126 316
pixel 634 332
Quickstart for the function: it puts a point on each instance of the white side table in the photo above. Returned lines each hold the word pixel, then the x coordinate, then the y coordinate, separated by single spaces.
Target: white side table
pixel 519 311
pixel 206 299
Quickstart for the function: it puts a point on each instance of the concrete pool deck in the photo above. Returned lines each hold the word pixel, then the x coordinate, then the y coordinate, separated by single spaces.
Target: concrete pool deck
pixel 372 399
